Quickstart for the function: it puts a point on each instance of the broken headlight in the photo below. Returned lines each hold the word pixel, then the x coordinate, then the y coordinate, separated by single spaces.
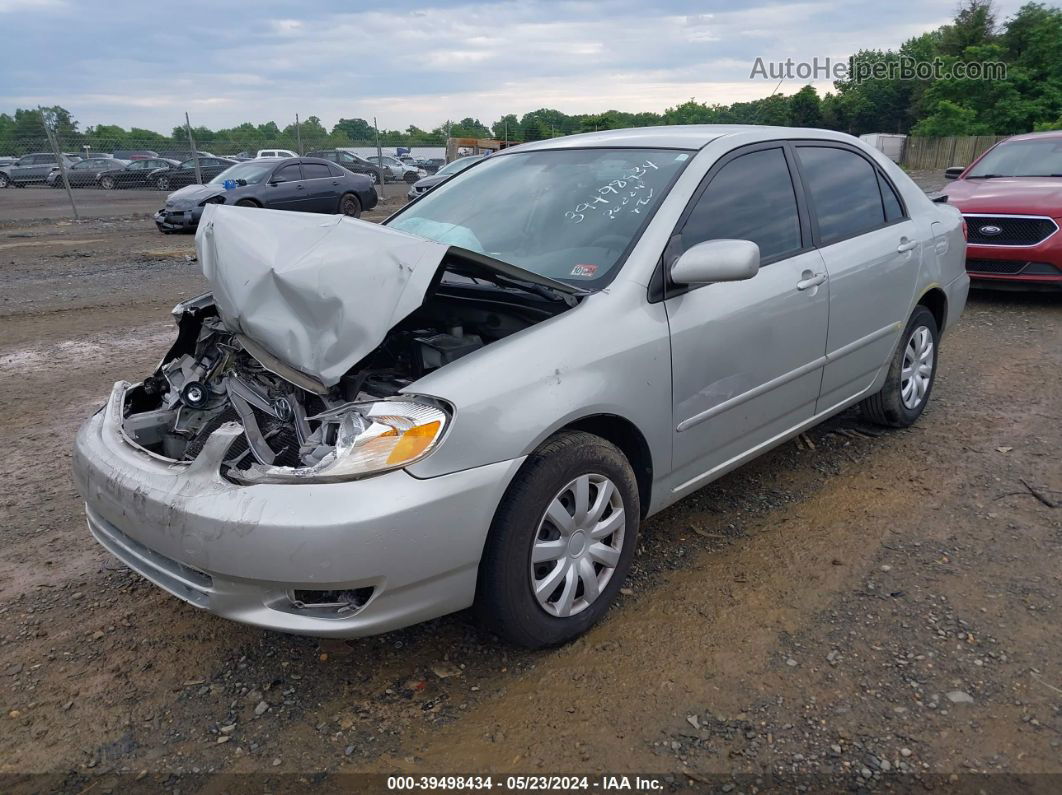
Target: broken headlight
pixel 356 440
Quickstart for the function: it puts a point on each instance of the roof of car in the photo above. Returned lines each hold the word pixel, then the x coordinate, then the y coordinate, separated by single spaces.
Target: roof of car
pixel 679 136
pixel 1033 136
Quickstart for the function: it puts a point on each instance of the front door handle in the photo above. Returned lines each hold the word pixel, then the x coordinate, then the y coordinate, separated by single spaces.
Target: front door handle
pixel 906 245
pixel 810 280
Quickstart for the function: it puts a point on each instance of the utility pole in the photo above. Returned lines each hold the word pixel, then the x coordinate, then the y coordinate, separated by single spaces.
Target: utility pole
pixel 54 142
pixel 195 153
pixel 379 151
pixel 298 135
pixel 506 133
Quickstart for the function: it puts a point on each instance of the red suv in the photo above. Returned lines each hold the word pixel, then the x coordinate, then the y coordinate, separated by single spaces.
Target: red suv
pixel 1011 200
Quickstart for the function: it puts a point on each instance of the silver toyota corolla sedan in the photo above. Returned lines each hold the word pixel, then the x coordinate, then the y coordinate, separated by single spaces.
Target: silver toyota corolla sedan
pixel 477 402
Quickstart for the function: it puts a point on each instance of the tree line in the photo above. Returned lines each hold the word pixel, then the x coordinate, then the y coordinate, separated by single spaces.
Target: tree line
pixel 1029 97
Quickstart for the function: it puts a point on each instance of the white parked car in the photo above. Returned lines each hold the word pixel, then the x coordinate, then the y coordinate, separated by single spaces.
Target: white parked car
pixel 275 153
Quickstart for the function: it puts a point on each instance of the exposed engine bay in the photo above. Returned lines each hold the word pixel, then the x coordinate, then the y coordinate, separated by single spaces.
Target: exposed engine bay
pixel 296 427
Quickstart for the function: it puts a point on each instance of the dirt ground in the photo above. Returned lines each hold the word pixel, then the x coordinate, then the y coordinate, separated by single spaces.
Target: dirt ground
pixel 849 607
pixel 38 202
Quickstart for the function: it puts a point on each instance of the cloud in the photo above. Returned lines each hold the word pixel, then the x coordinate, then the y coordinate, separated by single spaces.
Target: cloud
pixel 422 62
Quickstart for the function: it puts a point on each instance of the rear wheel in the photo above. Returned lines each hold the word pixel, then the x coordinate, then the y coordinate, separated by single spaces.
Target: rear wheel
pixel 4 181
pixel 561 542
pixel 107 182
pixel 374 177
pixel 247 203
pixel 410 177
pixel 162 183
pixel 912 371
pixel 349 205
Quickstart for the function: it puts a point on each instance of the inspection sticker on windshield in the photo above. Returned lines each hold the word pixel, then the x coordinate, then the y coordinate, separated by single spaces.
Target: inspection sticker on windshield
pixel 584 271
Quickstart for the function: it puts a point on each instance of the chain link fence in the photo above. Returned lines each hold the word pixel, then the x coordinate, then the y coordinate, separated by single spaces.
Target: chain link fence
pixel 59 157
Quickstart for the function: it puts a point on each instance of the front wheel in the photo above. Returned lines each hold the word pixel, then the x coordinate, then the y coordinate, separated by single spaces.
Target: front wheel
pixel 4 181
pixel 162 183
pixel 561 542
pixel 912 372
pixel 107 183
pixel 410 177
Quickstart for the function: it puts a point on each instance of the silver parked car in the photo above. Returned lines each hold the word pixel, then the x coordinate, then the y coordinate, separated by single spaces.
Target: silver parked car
pixel 477 403
pixel 395 169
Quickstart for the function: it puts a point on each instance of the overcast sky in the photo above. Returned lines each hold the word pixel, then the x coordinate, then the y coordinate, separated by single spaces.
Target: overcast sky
pixel 409 62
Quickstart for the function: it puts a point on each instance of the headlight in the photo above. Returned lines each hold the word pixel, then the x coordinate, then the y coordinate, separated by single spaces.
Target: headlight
pixel 357 440
pixel 212 200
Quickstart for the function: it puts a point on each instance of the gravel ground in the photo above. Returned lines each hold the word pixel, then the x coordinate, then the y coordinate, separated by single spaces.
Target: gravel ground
pixel 38 202
pixel 852 607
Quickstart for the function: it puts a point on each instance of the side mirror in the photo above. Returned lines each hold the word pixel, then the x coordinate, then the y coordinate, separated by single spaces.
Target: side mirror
pixel 953 172
pixel 717 261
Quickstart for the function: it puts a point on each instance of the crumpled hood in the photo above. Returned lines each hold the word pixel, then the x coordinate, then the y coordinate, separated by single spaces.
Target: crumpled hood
pixel 191 195
pixel 317 292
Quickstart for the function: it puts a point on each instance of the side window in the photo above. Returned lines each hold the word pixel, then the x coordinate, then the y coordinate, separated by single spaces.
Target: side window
pixel 893 208
pixel 335 170
pixel 315 171
pixel 844 192
pixel 288 173
pixel 750 198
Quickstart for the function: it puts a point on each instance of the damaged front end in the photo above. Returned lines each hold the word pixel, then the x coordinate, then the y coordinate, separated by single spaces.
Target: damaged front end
pixel 359 427
pixel 312 340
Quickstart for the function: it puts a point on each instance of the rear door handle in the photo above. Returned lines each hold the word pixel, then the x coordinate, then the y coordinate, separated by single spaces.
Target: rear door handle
pixel 906 245
pixel 812 280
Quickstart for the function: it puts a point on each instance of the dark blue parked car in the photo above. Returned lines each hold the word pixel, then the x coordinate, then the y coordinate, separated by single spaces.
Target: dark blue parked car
pixel 305 184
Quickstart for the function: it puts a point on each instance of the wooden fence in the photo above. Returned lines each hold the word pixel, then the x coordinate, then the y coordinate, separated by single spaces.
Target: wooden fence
pixel 955 150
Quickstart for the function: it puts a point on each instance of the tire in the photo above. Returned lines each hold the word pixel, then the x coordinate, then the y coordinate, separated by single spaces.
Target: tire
pixel 107 182
pixel 410 177
pixel 374 177
pixel 506 603
pixel 162 182
pixel 350 205
pixel 5 181
pixel 247 203
pixel 902 400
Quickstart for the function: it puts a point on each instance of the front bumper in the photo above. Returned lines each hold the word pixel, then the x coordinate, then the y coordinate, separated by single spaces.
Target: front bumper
pixel 1036 266
pixel 240 551
pixel 170 220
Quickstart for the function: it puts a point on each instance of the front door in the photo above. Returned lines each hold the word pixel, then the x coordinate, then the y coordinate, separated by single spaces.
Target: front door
pixel 287 190
pixel 746 356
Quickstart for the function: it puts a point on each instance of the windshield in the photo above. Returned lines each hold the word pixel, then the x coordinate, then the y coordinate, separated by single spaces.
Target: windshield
pixel 458 165
pixel 251 172
pixel 1041 158
pixel 568 214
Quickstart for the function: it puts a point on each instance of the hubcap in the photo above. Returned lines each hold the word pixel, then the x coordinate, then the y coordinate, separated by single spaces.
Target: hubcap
pixel 917 368
pixel 577 545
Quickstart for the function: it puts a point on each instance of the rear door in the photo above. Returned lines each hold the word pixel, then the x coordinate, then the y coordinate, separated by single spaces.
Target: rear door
pixel 286 190
pixel 872 251
pixel 746 356
pixel 322 188
pixel 40 168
